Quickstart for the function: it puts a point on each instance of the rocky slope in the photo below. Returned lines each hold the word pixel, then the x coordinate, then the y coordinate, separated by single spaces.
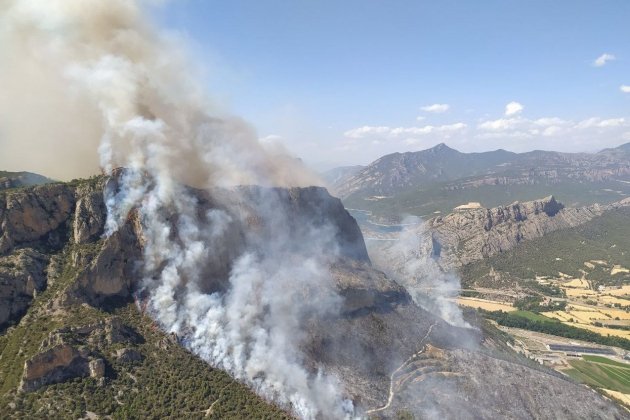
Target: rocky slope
pixel 469 235
pixel 82 323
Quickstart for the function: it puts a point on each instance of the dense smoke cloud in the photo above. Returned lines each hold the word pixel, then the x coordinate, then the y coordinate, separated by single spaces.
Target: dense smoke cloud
pixel 75 69
pixel 88 75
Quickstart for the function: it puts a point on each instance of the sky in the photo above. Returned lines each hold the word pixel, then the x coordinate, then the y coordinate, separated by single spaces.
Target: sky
pixel 343 82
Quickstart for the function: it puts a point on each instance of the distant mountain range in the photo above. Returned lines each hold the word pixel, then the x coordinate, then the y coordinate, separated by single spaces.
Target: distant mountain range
pixel 440 178
pixel 10 180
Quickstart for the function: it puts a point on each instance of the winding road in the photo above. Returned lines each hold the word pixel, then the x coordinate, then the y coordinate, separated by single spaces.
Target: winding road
pixel 390 398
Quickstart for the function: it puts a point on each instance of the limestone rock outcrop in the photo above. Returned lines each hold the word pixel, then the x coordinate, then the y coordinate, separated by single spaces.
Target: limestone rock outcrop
pixel 469 235
pixel 22 276
pixel 57 364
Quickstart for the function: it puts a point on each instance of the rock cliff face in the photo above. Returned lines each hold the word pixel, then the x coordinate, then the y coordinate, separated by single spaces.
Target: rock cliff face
pixel 44 219
pixel 57 364
pixel 22 276
pixel 468 235
pixel 36 223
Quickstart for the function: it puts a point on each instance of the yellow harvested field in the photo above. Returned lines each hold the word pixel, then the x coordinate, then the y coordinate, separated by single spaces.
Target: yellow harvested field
pixel 624 398
pixel 584 316
pixel 589 265
pixel 587 316
pixel 583 308
pixel 612 300
pixel 599 262
pixel 601 330
pixel 559 315
pixel 572 293
pixel 577 283
pixel 623 290
pixel 618 269
pixel 488 305
pixel 615 313
pixel 577 316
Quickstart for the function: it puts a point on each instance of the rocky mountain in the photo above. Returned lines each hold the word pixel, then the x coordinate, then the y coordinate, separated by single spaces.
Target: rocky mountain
pixel 78 342
pixel 338 175
pixel 20 179
pixel 402 170
pixel 471 234
pixel 440 178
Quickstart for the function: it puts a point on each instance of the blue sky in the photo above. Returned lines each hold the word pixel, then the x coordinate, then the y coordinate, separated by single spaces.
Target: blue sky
pixel 345 81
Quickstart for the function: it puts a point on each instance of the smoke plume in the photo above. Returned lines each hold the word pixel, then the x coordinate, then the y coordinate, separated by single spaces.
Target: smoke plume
pixel 81 76
pixel 410 262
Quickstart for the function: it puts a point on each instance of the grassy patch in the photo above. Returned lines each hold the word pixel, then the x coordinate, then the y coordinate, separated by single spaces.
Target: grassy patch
pixel 605 360
pixel 533 316
pixel 600 375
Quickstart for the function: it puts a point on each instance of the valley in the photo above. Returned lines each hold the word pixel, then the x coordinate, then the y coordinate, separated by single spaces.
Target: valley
pixel 314 210
pixel 545 272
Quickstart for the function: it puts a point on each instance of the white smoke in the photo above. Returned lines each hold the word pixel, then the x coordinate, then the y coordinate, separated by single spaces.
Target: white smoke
pixel 115 85
pixel 409 261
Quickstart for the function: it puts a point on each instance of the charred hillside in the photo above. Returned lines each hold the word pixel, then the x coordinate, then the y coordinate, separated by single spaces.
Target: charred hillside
pixel 81 337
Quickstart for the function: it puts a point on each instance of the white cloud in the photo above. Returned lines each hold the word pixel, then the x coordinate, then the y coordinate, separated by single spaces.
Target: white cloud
pixel 501 124
pixel 550 121
pixel 513 108
pixel 603 59
pixel 397 132
pixel 596 122
pixel 436 108
pixel 515 132
pixel 624 88
pixel 366 131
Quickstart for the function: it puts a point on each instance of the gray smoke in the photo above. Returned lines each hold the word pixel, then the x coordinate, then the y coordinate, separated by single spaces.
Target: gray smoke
pixel 86 75
pixel 410 261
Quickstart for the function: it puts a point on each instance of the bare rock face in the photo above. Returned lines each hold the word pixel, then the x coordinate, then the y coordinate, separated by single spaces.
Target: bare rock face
pixel 57 364
pixel 89 217
pixel 35 215
pixel 22 275
pixel 128 356
pixel 469 235
pixel 112 272
pixel 97 368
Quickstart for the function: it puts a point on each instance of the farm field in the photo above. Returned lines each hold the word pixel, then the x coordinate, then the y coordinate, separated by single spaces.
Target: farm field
pixel 605 360
pixel 600 375
pixel 532 316
pixel 488 305
pixel 624 398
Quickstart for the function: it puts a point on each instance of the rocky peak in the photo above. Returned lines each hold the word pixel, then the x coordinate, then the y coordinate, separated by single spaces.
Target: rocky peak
pixel 441 148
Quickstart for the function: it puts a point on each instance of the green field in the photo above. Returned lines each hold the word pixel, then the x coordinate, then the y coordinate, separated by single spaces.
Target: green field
pixel 533 316
pixel 601 375
pixel 606 360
